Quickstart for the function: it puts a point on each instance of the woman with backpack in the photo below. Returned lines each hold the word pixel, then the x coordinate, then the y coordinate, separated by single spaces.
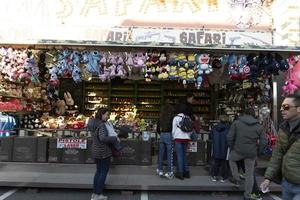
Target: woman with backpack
pixel 181 134
pixel 164 128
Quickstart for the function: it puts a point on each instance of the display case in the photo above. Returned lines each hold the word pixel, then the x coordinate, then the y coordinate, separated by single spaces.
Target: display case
pixel 173 92
pixel 149 99
pixel 95 93
pixel 144 98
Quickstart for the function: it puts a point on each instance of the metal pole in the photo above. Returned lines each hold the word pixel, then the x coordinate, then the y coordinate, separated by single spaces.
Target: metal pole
pixel 275 104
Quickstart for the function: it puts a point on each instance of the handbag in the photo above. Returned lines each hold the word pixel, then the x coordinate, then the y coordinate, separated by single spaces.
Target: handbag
pixel 194 136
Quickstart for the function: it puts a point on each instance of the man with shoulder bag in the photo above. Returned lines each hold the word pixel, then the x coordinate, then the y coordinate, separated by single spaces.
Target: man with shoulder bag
pixel 284 166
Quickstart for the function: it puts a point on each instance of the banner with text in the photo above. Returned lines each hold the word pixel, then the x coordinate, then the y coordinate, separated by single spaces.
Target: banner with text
pixel 68 143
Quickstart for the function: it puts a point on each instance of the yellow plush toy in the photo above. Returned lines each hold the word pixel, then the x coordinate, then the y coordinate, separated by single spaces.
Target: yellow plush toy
pixel 182 74
pixel 173 74
pixel 191 76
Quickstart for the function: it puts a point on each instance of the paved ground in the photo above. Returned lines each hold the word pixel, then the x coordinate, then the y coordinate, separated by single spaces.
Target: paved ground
pixel 120 178
pixel 71 194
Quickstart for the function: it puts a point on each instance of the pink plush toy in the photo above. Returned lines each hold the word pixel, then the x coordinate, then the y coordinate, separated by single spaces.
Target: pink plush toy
pixel 293 77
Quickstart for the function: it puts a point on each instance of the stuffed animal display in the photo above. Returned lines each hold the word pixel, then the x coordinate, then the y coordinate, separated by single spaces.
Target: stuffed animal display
pixel 292 76
pixel 18 65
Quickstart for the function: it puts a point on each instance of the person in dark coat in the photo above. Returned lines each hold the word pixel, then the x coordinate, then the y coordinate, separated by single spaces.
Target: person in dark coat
pixel 101 150
pixel 220 148
pixel 244 135
pixel 164 128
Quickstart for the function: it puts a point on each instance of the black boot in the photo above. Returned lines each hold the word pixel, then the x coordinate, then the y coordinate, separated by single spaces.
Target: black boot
pixel 186 174
pixel 179 175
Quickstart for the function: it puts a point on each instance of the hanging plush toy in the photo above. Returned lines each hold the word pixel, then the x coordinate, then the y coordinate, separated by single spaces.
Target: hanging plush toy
pixel 121 72
pixel 233 67
pixel 173 73
pixel 203 67
pixel 163 66
pixel 243 68
pixel 292 77
pixel 76 74
pixel 138 68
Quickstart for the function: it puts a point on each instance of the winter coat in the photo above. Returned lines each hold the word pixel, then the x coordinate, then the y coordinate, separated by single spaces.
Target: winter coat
pixel 219 141
pixel 177 133
pixel 288 163
pixel 244 134
pixel 101 141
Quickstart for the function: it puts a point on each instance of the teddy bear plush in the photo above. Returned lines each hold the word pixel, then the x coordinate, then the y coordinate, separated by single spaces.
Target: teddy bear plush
pixel 59 107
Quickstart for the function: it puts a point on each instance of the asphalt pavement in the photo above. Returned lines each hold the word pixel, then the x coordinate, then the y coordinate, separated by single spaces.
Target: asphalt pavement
pixel 77 194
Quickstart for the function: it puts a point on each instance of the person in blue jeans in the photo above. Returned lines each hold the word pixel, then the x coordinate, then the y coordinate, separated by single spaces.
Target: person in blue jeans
pixel 181 140
pixel 164 128
pixel 101 150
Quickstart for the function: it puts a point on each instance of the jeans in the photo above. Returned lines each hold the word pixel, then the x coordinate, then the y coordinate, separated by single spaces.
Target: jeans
pixel 220 166
pixel 165 143
pixel 249 165
pixel 100 175
pixel 181 157
pixel 290 191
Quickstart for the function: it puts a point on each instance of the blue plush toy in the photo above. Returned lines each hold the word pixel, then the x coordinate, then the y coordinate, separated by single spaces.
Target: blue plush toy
pixel 91 61
pixel 76 74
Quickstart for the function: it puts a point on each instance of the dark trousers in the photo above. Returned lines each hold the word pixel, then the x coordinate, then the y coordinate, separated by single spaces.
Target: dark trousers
pixel 100 175
pixel 220 167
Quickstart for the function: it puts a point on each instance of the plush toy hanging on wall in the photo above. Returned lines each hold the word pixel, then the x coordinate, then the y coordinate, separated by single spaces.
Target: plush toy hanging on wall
pixel 293 76
pixel 203 67
pixel 163 66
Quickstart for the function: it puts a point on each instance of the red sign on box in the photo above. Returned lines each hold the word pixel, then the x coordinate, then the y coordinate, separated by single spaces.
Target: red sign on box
pixel 69 143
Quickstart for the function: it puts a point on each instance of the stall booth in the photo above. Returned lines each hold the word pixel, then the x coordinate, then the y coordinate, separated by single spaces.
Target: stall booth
pixel 53 76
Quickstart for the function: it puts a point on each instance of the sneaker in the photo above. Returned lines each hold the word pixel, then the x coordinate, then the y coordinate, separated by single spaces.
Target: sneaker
pixel 186 174
pixel 242 176
pixel 254 196
pixel 159 173
pixel 237 183
pixel 222 180
pixel 169 176
pixel 100 197
pixel 179 175
pixel 214 178
pixel 93 196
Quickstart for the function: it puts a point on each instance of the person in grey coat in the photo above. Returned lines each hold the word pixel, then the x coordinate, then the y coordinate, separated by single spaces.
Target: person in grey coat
pixel 244 138
pixel 101 150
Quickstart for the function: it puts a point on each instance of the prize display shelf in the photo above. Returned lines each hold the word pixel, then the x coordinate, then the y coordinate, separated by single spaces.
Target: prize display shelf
pixel 143 97
pixel 174 92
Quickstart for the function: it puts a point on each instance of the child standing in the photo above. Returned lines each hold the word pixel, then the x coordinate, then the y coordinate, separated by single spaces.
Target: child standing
pixel 220 147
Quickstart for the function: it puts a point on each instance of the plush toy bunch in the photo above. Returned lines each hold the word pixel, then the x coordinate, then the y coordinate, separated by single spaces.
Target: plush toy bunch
pixel 19 65
pixel 252 66
pixel 292 76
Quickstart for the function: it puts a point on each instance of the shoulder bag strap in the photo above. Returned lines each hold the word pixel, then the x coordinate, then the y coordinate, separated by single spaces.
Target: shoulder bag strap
pixel 292 139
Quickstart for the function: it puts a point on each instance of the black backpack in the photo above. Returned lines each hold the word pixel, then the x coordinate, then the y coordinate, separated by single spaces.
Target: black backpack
pixel 186 124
